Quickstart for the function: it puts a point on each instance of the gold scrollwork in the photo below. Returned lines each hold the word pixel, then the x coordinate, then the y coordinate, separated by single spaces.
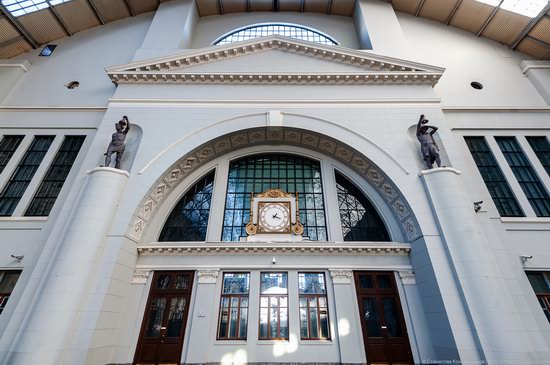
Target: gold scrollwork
pixel 251 228
pixel 298 228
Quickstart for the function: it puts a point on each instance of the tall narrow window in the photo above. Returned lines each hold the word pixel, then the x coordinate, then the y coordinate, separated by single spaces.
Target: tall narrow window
pixel 497 185
pixel 540 281
pixel 541 147
pixel 8 279
pixel 233 318
pixel 314 321
pixel 51 185
pixel 273 306
pixel 526 175
pixel 8 146
pixel 255 174
pixel 189 218
pixel 360 220
pixel 19 181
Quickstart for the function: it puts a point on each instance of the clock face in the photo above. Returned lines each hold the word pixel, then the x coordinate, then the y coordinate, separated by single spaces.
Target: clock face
pixel 274 217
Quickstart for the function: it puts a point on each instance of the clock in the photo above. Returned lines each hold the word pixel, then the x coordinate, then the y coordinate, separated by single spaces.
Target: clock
pixel 274 217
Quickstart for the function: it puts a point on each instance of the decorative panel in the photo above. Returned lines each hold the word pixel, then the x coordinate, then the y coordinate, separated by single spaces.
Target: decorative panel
pixel 471 15
pixel 14 48
pixel 208 7
pixel 505 27
pixel 534 49
pixel 143 6
pixel 42 26
pixel 78 15
pixel 234 6
pixel 342 7
pixel 316 6
pixel 439 10
pixel 112 9
pixel 406 6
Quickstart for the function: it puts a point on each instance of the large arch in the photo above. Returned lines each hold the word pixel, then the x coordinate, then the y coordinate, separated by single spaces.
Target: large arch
pixel 315 141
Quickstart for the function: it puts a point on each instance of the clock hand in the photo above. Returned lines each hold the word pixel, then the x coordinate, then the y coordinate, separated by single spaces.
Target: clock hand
pixel 275 216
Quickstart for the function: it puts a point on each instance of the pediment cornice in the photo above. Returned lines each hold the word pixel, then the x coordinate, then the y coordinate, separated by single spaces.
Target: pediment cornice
pixel 365 68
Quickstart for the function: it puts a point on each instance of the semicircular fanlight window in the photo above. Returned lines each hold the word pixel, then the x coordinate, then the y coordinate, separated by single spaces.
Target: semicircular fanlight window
pixel 286 30
pixel 360 220
pixel 188 220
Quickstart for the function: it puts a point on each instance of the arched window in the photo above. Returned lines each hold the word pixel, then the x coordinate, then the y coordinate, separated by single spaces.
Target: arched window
pixel 286 30
pixel 360 220
pixel 256 174
pixel 188 220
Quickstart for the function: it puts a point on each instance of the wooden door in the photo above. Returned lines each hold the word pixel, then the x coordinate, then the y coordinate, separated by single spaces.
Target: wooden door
pixel 384 332
pixel 165 319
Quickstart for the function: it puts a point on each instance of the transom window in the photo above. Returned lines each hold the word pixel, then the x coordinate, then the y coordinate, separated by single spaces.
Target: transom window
pixel 286 30
pixel 22 7
pixel 256 174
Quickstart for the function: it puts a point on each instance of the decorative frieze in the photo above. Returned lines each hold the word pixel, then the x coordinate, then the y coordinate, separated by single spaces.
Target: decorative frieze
pixel 341 276
pixel 290 136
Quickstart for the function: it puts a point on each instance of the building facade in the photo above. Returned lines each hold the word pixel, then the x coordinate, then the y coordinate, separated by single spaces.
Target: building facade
pixel 150 263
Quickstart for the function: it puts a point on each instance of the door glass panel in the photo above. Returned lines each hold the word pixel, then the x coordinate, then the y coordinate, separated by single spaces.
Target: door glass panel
pixel 154 319
pixel 365 281
pixel 391 317
pixel 163 281
pixel 175 317
pixel 384 281
pixel 182 282
pixel 371 317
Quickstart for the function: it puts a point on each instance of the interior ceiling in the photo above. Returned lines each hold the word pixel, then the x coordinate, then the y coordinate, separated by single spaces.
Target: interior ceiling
pixel 21 34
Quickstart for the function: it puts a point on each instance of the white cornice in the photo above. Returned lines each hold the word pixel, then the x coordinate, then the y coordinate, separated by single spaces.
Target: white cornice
pixel 371 68
pixel 296 248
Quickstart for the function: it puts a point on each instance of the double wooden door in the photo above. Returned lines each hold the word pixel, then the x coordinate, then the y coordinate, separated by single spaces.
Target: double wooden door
pixel 163 328
pixel 384 332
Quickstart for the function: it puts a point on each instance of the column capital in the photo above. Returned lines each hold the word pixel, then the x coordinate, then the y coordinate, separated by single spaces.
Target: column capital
pixel 208 276
pixel 140 276
pixel 407 277
pixel 341 276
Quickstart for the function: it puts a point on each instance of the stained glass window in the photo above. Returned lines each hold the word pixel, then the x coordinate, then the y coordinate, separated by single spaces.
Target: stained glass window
pixel 495 181
pixel 541 147
pixel 360 221
pixel 188 220
pixel 51 185
pixel 273 306
pixel 23 174
pixel 258 173
pixel 525 174
pixel 286 30
pixel 314 321
pixel 8 146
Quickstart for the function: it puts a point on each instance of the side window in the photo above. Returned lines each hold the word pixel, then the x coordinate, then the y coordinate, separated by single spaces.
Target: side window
pixel 8 279
pixel 8 146
pixel 314 321
pixel 233 316
pixel 541 147
pixel 188 221
pixel 493 177
pixel 540 281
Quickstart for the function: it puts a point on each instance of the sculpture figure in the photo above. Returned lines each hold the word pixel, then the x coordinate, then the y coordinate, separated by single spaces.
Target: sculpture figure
pixel 117 142
pixel 430 150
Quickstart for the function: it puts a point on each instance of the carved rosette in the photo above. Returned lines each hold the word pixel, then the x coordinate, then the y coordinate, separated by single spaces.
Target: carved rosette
pixel 140 277
pixel 341 276
pixel 208 276
pixel 407 277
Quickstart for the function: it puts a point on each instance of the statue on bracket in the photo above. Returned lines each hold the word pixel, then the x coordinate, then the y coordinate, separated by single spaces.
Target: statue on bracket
pixel 117 142
pixel 430 149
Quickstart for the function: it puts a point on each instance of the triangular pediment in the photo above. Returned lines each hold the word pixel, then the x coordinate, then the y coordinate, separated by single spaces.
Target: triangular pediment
pixel 276 59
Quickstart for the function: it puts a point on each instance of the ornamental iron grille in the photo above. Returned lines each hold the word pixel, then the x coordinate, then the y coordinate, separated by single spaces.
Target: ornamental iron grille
pixel 258 173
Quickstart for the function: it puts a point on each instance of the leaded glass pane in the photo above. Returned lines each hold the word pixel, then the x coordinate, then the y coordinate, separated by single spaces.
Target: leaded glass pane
pixel 286 30
pixel 311 283
pixel 541 147
pixel 8 146
pixel 189 218
pixel 258 173
pixel 497 185
pixel 236 283
pixel 50 187
pixel 525 174
pixel 273 283
pixel 23 174
pixel 360 220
